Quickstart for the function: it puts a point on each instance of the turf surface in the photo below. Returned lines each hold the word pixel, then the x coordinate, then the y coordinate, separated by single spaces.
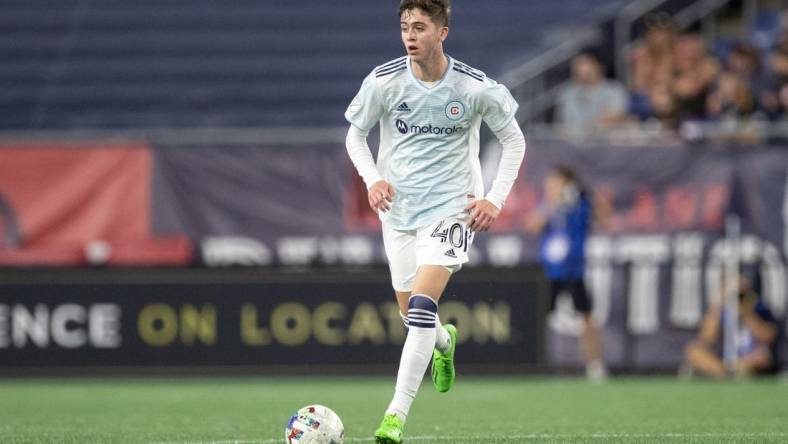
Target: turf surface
pixel 477 410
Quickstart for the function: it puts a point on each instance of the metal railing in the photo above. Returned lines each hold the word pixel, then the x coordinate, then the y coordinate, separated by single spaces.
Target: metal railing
pixel 733 132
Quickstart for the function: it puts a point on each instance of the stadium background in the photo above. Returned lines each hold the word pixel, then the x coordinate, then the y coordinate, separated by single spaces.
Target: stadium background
pixel 175 194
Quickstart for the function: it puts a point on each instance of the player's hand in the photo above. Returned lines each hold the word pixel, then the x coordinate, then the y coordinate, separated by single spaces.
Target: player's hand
pixel 483 214
pixel 380 196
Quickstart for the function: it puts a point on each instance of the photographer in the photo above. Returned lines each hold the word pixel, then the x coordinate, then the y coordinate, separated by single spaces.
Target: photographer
pixel 756 345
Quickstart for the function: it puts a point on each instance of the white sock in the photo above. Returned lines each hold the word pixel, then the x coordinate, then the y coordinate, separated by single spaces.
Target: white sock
pixel 442 338
pixel 416 353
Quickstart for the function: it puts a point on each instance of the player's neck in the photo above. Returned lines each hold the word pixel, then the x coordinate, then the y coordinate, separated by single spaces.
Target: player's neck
pixel 431 69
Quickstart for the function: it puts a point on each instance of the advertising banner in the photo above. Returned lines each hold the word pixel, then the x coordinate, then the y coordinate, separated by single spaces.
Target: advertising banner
pixel 230 319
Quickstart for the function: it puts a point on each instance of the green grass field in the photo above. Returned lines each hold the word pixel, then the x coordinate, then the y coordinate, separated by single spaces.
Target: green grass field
pixel 477 410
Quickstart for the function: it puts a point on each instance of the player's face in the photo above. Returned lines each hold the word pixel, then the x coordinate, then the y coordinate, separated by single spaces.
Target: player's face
pixel 421 36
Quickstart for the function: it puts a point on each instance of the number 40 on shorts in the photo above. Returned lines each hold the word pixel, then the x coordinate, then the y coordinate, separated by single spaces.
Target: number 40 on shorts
pixel 458 235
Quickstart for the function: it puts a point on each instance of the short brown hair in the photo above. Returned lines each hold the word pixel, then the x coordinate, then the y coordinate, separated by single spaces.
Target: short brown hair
pixel 438 10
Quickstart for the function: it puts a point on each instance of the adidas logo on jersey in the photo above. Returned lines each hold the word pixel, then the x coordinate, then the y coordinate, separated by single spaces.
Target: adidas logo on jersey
pixel 450 253
pixel 403 107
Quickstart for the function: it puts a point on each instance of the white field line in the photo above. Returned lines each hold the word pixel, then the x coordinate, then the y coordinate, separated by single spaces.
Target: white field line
pixel 529 437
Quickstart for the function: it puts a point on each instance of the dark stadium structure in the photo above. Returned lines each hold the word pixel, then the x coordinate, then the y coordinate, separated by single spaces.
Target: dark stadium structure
pixel 192 63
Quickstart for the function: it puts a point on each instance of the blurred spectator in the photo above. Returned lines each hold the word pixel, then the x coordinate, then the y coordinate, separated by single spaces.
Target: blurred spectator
pixel 730 98
pixel 695 71
pixel 757 342
pixel 745 62
pixel 564 221
pixel 652 63
pixel 590 103
pixel 731 104
pixel 663 107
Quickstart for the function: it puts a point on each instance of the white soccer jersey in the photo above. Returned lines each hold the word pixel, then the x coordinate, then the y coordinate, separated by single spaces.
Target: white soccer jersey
pixel 429 136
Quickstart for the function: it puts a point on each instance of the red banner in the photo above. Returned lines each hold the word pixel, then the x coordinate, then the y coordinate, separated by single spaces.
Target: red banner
pixel 60 199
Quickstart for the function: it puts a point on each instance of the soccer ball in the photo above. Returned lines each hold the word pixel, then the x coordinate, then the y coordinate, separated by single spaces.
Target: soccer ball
pixel 314 424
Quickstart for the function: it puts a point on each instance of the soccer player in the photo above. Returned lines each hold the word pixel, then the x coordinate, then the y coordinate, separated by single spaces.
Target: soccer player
pixel 427 185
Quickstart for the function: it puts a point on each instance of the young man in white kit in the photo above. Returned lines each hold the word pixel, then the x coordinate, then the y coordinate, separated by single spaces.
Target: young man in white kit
pixel 427 185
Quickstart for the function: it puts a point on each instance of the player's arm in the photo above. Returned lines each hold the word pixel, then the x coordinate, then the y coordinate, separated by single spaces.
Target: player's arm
pixel 379 192
pixel 485 211
pixel 363 113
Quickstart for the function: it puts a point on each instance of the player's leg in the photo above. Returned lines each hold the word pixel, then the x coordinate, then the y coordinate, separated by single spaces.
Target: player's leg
pixel 446 243
pixel 422 312
pixel 591 335
pixel 420 341
pixel 442 371
pixel 430 281
pixel 442 249
pixel 704 360
pixel 400 249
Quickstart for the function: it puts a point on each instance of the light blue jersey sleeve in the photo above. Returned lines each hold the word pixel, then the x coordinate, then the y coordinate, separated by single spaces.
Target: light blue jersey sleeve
pixel 367 107
pixel 497 105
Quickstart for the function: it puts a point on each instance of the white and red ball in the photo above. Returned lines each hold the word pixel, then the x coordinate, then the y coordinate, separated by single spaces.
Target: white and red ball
pixel 314 424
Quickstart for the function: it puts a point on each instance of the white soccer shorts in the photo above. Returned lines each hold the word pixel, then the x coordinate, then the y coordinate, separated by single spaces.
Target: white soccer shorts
pixel 446 243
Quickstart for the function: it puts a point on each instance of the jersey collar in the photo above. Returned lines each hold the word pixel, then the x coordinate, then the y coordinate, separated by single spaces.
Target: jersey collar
pixel 440 82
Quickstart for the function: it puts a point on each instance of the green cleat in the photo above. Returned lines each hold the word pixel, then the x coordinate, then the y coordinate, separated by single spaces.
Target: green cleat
pixel 443 374
pixel 390 430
